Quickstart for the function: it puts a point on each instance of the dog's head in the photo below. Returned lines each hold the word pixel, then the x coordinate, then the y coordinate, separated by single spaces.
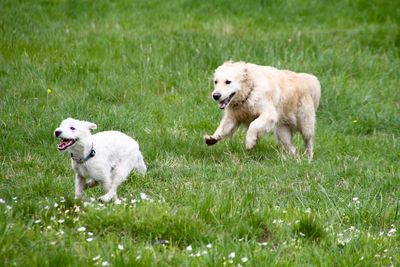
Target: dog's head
pixel 71 131
pixel 227 82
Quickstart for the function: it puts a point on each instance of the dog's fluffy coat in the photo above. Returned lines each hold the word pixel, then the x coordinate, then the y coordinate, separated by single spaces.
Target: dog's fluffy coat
pixel 116 155
pixel 265 98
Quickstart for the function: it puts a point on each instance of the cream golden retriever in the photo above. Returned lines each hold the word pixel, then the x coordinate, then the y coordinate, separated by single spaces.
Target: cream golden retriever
pixel 265 98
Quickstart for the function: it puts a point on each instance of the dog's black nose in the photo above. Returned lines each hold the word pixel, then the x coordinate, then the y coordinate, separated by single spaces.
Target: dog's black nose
pixel 216 96
pixel 57 133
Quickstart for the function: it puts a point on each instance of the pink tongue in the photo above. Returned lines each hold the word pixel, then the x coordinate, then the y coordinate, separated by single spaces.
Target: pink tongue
pixel 222 104
pixel 64 144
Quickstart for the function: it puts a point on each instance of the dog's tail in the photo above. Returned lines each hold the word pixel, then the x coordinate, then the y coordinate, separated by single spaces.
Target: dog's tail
pixel 314 88
pixel 141 165
pixel 316 93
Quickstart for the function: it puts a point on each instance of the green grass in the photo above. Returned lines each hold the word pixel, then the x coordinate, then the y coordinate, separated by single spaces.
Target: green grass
pixel 144 68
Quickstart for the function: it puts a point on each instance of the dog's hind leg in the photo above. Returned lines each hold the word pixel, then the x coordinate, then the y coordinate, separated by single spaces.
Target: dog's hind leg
pixel 284 135
pixel 118 176
pixel 306 119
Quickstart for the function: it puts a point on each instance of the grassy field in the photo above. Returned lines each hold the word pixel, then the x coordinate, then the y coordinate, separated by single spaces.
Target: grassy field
pixel 144 68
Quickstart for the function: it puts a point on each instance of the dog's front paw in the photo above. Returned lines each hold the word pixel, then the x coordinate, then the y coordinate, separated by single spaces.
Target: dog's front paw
pixel 250 145
pixel 104 199
pixel 210 140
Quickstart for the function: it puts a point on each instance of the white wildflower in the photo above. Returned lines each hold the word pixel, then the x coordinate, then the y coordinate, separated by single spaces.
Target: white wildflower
pixel 61 221
pixel 105 263
pixel 392 232
pixel 342 240
pixel 90 239
pixel 232 255
pixel 37 221
pixel 118 202
pixel 189 248
pixel 2 201
pixel 120 247
pixel 209 245
pixel 96 258
pixel 81 229
pixel 244 259
pixel 77 209
pixel 55 205
pixel 90 234
pixel 143 196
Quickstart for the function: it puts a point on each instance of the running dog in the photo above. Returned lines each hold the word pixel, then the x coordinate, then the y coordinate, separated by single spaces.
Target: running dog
pixel 107 157
pixel 264 99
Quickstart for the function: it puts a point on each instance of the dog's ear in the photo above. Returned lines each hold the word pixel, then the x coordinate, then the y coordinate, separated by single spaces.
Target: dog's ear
pixel 245 74
pixel 229 62
pixel 90 125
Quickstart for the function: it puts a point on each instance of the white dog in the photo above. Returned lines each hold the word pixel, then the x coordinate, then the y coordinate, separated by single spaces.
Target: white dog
pixel 106 157
pixel 265 98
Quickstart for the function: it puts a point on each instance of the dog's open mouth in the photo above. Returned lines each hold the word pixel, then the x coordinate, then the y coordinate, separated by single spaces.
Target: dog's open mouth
pixel 66 143
pixel 222 104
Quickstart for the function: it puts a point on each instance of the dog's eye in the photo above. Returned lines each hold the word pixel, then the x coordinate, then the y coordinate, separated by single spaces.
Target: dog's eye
pixel 215 81
pixel 72 128
pixel 227 82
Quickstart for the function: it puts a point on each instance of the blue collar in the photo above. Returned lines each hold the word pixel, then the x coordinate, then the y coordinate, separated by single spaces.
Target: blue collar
pixel 92 153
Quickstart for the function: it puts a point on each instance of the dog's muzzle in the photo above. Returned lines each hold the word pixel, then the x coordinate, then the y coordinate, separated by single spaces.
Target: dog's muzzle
pixel 222 104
